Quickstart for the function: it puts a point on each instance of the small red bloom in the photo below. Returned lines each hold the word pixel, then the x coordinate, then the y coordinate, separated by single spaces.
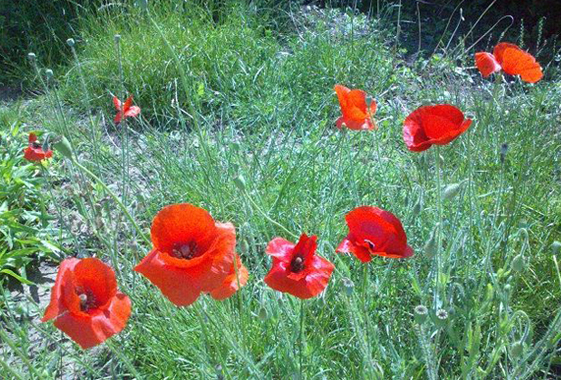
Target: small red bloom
pixel 85 303
pixel 125 110
pixel 438 124
pixel 511 59
pixel 373 231
pixel 192 253
pixel 357 114
pixel 297 270
pixel 35 152
pixel 230 284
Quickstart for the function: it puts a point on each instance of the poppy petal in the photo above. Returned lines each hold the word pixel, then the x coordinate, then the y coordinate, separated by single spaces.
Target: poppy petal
pixel 99 278
pixel 360 252
pixel 230 284
pixel 500 48
pixel 280 248
pixel 89 331
pixel 519 62
pixel 32 138
pixel 117 103
pixel 57 307
pixel 486 64
pixel 133 111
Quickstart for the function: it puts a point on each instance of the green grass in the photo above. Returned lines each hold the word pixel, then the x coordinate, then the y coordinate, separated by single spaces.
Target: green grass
pixel 267 112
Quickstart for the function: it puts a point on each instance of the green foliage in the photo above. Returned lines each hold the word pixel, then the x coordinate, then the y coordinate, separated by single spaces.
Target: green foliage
pixel 24 222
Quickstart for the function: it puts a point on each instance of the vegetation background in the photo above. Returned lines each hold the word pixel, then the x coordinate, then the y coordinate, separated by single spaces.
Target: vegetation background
pixel 259 76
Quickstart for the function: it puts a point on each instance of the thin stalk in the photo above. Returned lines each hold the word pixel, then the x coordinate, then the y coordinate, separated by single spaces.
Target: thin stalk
pixel 438 296
pixel 300 343
pixel 115 198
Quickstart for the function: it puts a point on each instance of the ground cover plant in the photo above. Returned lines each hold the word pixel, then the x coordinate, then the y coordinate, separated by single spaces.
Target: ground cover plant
pixel 287 200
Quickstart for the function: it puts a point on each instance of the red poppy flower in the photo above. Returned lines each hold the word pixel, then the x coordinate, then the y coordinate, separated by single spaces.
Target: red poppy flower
pixel 357 114
pixel 511 59
pixel 85 303
pixel 192 253
pixel 373 231
pixel 35 152
pixel 297 270
pixel 126 110
pixel 438 124
pixel 230 284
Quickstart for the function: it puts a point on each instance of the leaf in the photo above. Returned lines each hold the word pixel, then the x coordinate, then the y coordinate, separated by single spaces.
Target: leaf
pixel 17 276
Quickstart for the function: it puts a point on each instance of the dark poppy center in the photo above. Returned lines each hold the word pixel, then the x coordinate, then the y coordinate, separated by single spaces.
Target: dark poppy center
pixel 87 300
pixel 371 246
pixel 297 264
pixel 185 251
pixel 36 145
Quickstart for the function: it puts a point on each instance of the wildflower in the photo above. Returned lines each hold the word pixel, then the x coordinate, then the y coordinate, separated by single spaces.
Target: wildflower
pixel 512 60
pixel 192 254
pixel 428 125
pixel 373 231
pixel 357 114
pixel 125 110
pixel 85 303
pixel 230 284
pixel 297 269
pixel 35 151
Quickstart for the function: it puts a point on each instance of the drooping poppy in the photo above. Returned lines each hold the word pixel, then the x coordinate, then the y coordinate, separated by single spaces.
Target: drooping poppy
pixel 512 60
pixel 125 110
pixel 35 152
pixel 192 253
pixel 297 269
pixel 357 114
pixel 85 303
pixel 438 124
pixel 230 284
pixel 373 231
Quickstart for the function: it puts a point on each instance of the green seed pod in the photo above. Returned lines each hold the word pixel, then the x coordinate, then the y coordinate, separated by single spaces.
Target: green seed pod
pixel 516 349
pixel 62 145
pixel 441 317
pixel 239 181
pixel 117 37
pixel 70 42
pixel 430 247
pixel 451 191
pixel 421 313
pixel 49 74
pixel 556 247
pixel 417 207
pixel 31 56
pixel 518 264
pixel 263 315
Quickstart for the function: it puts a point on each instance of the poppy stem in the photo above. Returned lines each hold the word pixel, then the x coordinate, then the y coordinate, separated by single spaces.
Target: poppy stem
pixel 115 197
pixel 438 232
pixel 300 342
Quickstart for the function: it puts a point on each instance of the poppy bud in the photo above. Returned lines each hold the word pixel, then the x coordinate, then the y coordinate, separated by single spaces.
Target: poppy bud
pixel 490 291
pixel 348 286
pixel 70 42
pixel 263 315
pixel 117 37
pixel 518 264
pixel 239 181
pixel 524 233
pixel 421 313
pixel 32 57
pixel 417 207
pixel 451 191
pixel 63 146
pixel 49 73
pixel 556 247
pixel 430 246
pixel 516 349
pixel 504 149
pixel 441 317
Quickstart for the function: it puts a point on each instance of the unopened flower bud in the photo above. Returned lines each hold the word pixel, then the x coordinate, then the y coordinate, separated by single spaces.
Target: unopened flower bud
pixel 451 191
pixel 518 264
pixel 239 181
pixel 63 146
pixel 348 286
pixel 31 56
pixel 556 247
pixel 516 349
pixel 421 313
pixel 417 207
pixel 431 246
pixel 70 42
pixel 263 315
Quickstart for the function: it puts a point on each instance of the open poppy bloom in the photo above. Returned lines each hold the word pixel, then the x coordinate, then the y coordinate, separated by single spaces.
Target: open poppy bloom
pixel 297 269
pixel 35 151
pixel 192 253
pixel 373 231
pixel 125 110
pixel 85 303
pixel 230 284
pixel 512 60
pixel 357 114
pixel 438 124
